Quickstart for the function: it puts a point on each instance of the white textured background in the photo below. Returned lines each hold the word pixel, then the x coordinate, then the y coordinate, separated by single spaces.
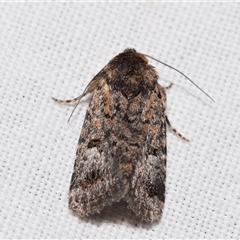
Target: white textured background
pixel 54 49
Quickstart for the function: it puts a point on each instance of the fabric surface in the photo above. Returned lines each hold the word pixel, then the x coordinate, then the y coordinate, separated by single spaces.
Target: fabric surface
pixel 55 49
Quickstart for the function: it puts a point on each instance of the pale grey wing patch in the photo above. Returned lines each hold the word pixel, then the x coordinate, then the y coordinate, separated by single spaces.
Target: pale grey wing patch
pixel 95 185
pixel 147 192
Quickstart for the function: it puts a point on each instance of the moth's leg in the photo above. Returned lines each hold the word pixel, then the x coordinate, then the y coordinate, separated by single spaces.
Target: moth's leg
pixel 96 81
pixel 69 100
pixel 175 131
pixel 77 99
pixel 169 86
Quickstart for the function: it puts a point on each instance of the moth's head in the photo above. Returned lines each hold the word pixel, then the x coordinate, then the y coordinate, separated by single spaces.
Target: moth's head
pixel 131 55
pixel 130 50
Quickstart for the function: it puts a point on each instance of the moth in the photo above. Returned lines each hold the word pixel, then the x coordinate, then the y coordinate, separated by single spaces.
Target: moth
pixel 122 149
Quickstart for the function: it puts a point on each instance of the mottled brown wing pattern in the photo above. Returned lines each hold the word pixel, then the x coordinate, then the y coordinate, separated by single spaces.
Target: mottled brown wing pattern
pixel 147 187
pixel 122 149
pixel 97 179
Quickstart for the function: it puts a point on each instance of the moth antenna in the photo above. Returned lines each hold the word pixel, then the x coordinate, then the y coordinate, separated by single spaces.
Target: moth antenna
pixel 180 73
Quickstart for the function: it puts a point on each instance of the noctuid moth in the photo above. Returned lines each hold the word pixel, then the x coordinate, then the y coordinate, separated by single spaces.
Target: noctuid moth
pixel 122 149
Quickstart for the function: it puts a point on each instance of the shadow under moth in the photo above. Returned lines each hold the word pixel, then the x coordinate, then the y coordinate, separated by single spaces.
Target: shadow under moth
pixel 122 149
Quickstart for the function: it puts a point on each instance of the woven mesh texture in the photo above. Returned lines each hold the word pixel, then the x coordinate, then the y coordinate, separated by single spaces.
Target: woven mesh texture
pixel 55 49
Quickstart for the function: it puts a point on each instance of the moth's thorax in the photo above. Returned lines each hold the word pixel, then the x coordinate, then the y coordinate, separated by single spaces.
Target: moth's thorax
pixel 132 73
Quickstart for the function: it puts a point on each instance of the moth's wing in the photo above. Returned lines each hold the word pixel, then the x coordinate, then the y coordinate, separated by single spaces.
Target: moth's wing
pixel 97 180
pixel 147 188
